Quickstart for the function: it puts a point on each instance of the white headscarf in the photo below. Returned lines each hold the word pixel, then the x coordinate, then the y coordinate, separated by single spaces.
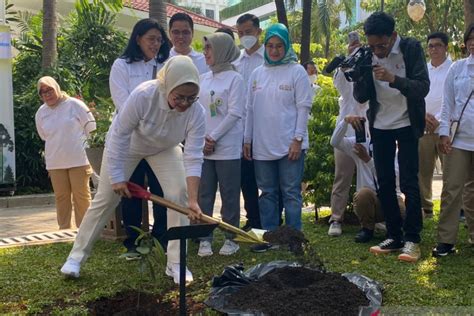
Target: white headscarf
pixel 177 71
pixel 52 83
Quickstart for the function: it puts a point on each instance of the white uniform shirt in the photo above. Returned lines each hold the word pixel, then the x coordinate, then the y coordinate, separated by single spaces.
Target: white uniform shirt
pixel 198 60
pixel 393 110
pixel 458 85
pixel 434 99
pixel 366 174
pixel 146 126
pixel 223 97
pixel 124 77
pixel 278 107
pixel 64 129
pixel 347 104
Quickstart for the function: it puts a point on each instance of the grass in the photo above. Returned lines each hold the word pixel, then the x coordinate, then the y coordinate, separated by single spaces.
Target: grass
pixel 30 281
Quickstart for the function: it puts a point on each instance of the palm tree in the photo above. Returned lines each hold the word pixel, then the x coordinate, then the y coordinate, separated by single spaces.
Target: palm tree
pixel 305 31
pixel 281 12
pixel 468 12
pixel 157 11
pixel 50 30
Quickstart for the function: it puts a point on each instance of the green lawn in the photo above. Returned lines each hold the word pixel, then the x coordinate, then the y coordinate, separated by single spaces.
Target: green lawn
pixel 30 280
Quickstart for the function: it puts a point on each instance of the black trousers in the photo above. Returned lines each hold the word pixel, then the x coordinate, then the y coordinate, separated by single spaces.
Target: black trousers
pixel 385 143
pixel 131 208
pixel 248 185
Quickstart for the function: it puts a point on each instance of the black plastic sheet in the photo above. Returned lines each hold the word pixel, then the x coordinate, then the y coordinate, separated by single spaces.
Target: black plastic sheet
pixel 234 277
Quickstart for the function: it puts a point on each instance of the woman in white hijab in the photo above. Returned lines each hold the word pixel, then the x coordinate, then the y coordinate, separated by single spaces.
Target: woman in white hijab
pixel 156 118
pixel 64 124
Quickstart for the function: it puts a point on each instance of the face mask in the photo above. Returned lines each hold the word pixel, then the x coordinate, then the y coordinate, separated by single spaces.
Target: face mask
pixel 248 41
pixel 313 78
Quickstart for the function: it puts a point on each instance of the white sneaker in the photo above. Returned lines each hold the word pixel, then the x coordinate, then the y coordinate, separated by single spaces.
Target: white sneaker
pixel 172 270
pixel 229 248
pixel 71 268
pixel 335 229
pixel 205 249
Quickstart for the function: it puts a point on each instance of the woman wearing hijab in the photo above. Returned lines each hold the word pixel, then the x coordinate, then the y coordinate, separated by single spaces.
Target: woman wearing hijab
pixel 64 124
pixel 147 50
pixel 153 122
pixel 276 136
pixel 221 94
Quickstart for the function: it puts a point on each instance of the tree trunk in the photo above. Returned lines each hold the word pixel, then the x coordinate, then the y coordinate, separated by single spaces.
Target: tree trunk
pixel 328 43
pixel 50 30
pixel 157 11
pixel 468 13
pixel 281 12
pixel 305 31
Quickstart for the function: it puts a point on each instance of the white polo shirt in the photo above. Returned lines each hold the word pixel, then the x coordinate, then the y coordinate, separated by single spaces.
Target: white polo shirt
pixel 393 110
pixel 198 60
pixel 434 99
pixel 223 97
pixel 246 63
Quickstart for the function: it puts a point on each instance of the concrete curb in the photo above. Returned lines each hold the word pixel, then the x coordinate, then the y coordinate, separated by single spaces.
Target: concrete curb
pixel 32 200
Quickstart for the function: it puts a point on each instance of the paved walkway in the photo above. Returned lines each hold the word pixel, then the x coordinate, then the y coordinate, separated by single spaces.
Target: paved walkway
pixel 28 220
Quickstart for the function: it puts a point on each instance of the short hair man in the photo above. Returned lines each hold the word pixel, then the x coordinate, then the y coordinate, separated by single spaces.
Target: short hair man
pixel 181 31
pixel 395 89
pixel 438 67
pixel 312 72
pixel 251 57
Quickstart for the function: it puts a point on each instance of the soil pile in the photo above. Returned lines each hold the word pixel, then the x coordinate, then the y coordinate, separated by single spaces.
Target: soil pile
pixel 299 291
pixel 125 304
pixel 286 235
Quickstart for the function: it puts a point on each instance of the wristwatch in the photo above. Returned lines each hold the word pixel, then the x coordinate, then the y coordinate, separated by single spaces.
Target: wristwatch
pixel 299 139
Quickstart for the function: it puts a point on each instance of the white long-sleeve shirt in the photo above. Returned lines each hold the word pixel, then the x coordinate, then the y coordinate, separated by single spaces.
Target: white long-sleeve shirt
pixel 198 60
pixel 366 174
pixel 347 104
pixel 223 97
pixel 146 126
pixel 64 129
pixel 124 77
pixel 279 102
pixel 458 85
pixel 434 99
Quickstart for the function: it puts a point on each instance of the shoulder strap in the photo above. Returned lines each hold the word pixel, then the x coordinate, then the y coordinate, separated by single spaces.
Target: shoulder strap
pixel 465 104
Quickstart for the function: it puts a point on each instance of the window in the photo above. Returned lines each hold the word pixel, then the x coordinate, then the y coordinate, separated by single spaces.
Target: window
pixel 210 13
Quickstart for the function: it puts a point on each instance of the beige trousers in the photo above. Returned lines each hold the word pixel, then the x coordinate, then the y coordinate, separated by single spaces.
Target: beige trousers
pixel 428 153
pixel 344 172
pixel 458 189
pixel 169 169
pixel 368 209
pixel 69 181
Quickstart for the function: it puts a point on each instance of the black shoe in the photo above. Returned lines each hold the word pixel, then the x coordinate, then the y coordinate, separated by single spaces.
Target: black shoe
pixel 427 213
pixel 247 227
pixel 442 250
pixel 387 246
pixel 263 247
pixel 364 235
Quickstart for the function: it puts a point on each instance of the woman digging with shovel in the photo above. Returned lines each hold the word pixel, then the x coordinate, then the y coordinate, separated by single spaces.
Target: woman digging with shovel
pixel 153 122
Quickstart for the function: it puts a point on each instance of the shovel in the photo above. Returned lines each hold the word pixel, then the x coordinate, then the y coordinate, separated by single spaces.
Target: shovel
pixel 141 193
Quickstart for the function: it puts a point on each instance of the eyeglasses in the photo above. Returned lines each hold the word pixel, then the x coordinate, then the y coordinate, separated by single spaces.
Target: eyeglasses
pixel 45 92
pixel 379 46
pixel 188 100
pixel 435 46
pixel 152 39
pixel 184 33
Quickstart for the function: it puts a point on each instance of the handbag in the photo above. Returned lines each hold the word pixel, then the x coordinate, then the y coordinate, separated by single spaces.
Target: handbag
pixel 453 128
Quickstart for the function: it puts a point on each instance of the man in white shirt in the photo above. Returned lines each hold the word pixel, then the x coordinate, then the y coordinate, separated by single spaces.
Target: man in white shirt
pixel 313 75
pixel 428 146
pixel 251 57
pixel 181 30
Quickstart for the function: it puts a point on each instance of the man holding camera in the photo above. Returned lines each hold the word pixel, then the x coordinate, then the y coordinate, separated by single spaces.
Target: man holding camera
pixel 395 89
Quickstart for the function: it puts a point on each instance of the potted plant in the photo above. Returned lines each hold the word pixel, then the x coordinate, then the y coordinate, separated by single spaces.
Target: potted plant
pixel 103 112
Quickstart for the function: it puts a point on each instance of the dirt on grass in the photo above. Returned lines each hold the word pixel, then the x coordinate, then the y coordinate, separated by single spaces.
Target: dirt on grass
pixel 287 236
pixel 125 304
pixel 299 291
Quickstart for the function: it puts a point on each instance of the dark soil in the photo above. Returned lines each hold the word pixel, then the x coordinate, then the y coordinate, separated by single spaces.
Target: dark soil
pixel 350 218
pixel 125 304
pixel 299 291
pixel 286 235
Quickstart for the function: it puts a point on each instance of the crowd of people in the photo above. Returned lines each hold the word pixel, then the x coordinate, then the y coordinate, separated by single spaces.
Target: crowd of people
pixel 188 124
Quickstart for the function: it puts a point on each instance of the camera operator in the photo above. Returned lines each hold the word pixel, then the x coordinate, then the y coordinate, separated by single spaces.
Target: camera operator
pixel 395 90
pixel 344 163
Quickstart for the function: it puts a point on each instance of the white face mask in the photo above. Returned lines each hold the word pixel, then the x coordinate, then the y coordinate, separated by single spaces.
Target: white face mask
pixel 248 41
pixel 313 78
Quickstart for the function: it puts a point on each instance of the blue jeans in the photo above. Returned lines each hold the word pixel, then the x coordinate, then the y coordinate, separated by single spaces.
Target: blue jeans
pixel 385 143
pixel 273 176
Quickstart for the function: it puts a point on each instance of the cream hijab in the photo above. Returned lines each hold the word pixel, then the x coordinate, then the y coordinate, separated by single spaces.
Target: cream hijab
pixel 224 50
pixel 50 82
pixel 177 71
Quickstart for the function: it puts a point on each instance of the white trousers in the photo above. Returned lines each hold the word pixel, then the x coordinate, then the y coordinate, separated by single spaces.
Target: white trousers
pixel 169 169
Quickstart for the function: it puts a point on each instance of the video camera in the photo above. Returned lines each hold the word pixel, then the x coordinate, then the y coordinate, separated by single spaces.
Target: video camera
pixel 354 66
